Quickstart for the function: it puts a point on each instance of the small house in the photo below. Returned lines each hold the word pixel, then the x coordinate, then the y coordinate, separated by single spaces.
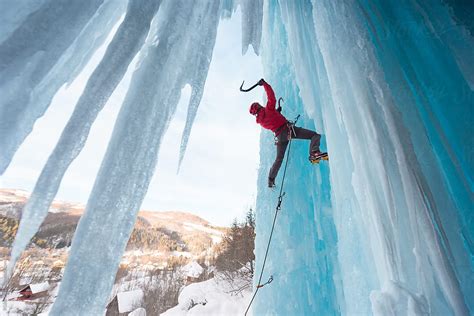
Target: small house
pixel 125 302
pixel 33 291
pixel 192 271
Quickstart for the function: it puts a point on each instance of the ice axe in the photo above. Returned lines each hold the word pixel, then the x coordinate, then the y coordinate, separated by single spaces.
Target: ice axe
pixel 247 90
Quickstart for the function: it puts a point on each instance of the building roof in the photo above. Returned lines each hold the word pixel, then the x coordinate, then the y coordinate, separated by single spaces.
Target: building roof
pixel 36 287
pixel 128 301
pixel 193 269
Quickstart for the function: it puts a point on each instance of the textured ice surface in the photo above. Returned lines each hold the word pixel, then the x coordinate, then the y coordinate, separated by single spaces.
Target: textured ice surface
pixel 34 65
pixel 252 14
pixel 303 250
pixel 13 15
pixel 127 41
pixel 388 84
pixel 128 165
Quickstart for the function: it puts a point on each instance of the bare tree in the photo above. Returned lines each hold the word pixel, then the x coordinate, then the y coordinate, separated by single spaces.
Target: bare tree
pixel 40 305
pixel 162 290
pixel 236 261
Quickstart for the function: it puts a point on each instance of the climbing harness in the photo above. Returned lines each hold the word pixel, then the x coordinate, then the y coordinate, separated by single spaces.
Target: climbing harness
pixel 291 129
pixel 277 209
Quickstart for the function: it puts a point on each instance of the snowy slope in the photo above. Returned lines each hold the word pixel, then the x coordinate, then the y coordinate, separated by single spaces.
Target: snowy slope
pixel 210 297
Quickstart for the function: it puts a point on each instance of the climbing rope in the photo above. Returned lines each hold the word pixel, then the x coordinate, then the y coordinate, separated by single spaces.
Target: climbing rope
pixel 278 208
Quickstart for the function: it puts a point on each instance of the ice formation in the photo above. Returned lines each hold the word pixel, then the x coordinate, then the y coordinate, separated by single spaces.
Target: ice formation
pixel 388 230
pixel 34 65
pixel 127 41
pixel 169 63
pixel 385 227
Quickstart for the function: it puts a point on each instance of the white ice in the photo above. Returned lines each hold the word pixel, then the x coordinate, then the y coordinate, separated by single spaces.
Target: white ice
pixel 127 41
pixel 166 67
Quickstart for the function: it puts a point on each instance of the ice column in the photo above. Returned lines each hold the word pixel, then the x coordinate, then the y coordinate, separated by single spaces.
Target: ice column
pixel 252 13
pixel 128 39
pixel 104 229
pixel 35 64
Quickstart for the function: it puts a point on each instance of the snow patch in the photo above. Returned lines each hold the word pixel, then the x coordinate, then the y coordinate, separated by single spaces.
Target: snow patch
pixel 209 298
pixel 127 301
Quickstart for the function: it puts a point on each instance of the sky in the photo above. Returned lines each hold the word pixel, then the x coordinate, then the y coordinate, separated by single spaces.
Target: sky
pixel 218 176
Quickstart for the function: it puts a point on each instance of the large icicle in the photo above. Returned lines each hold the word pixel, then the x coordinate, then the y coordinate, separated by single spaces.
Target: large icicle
pixel 128 166
pixel 252 15
pixel 127 41
pixel 196 78
pixel 315 92
pixel 34 65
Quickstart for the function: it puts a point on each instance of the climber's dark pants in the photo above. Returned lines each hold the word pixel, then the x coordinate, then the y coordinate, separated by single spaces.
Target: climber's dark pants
pixel 282 143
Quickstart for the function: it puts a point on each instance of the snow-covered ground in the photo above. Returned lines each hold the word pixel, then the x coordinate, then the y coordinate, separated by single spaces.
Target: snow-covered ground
pixel 211 297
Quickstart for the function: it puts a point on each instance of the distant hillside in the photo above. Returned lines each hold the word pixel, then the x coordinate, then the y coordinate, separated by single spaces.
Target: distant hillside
pixel 161 231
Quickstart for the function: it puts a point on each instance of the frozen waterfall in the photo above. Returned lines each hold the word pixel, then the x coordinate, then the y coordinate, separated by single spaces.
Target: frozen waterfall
pixel 385 227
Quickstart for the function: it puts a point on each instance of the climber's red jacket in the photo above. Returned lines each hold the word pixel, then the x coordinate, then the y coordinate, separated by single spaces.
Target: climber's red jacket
pixel 268 116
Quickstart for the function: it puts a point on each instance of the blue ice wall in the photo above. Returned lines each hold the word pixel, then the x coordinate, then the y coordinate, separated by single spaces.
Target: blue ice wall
pixel 386 227
pixel 303 254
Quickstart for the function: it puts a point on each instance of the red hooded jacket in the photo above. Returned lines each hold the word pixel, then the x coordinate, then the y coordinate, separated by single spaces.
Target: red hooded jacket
pixel 268 116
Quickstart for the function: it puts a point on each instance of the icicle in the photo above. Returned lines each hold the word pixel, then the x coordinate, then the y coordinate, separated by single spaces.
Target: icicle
pixel 34 65
pixel 298 22
pixel 128 166
pixel 252 14
pixel 227 8
pixel 126 43
pixel 200 65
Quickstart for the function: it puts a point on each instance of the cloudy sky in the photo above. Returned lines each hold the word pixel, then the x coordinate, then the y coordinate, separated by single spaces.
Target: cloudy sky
pixel 217 179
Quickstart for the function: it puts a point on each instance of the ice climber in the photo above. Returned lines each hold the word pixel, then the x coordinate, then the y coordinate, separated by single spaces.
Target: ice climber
pixel 271 118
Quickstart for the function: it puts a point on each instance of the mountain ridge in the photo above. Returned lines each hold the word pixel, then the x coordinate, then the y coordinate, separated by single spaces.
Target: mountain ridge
pixel 155 230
